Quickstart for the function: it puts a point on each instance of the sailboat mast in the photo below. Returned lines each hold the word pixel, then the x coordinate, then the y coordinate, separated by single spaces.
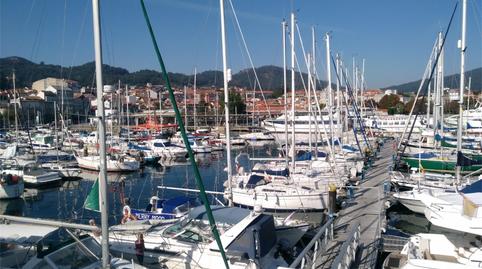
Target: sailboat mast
pixel 283 26
pixel 330 94
pixel 15 106
pixel 338 117
pixel 185 106
pixel 293 138
pixel 309 103
pixel 362 89
pixel 101 133
pixel 313 80
pixel 226 99
pixel 462 86
pixel 127 113
pixel 194 99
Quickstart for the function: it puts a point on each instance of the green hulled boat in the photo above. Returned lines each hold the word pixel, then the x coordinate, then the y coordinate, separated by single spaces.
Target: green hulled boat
pixel 439 165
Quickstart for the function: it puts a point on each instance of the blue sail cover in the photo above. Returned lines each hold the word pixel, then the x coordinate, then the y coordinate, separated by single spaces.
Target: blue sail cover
pixel 425 155
pixel 473 188
pixel 462 160
pixel 304 156
pixel 283 172
pixel 349 148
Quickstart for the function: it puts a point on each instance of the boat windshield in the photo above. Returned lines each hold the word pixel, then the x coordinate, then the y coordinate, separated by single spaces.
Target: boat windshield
pixel 192 231
pixel 75 255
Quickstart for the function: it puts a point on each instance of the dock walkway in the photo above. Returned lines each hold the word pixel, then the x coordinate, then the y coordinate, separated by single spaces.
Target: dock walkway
pixel 365 209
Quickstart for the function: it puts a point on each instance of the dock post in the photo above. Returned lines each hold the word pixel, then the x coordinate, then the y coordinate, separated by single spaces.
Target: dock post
pixel 331 199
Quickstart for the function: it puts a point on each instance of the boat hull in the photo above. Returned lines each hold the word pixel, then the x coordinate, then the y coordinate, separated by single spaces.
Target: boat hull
pixel 11 191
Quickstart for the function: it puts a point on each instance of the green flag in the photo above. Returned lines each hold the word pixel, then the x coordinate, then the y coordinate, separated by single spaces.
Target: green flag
pixel 92 200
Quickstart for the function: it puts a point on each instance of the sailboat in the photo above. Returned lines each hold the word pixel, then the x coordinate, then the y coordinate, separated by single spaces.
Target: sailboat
pixel 54 244
pixel 464 250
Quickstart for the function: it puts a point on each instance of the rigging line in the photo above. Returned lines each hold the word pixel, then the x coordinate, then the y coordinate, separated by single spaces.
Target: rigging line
pixel 179 119
pixel 250 59
pixel 76 46
pixel 312 80
pixel 430 78
pixel 316 98
pixel 199 33
pixel 345 99
pixel 319 111
pixel 424 77
pixel 63 41
pixel 36 42
pixel 356 111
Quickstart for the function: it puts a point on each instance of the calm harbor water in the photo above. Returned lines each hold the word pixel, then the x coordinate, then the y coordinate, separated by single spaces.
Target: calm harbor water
pixel 66 202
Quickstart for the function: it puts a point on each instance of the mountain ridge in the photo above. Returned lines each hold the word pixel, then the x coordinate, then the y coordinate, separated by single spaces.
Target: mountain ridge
pixel 270 76
pixel 450 81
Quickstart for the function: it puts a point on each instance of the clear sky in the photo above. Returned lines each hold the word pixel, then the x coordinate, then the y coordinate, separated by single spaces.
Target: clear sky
pixel 395 37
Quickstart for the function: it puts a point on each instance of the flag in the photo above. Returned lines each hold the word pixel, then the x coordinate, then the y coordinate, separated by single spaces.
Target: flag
pixel 92 200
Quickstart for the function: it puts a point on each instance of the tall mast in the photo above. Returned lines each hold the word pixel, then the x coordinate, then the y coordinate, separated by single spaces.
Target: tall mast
pixel 353 83
pixel 226 98
pixel 15 106
pixel 293 138
pixel 330 94
pixel 127 113
pixel 309 102
pixel 462 86
pixel 313 80
pixel 62 98
pixel 362 88
pixel 440 85
pixel 338 118
pixel 185 107
pixel 283 26
pixel 101 133
pixel 194 99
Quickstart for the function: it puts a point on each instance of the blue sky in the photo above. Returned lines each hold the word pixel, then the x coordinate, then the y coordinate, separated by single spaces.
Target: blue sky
pixel 395 37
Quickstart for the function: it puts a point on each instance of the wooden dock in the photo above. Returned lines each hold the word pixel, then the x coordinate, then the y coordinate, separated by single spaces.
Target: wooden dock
pixel 360 220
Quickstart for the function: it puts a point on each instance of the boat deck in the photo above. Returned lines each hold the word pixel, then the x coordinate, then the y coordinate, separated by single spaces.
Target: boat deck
pixel 366 209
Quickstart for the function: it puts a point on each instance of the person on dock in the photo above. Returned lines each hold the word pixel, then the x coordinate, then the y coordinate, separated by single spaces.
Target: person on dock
pixel 140 248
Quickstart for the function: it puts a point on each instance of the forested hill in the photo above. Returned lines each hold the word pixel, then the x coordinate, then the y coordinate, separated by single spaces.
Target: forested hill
pixel 450 81
pixel 271 77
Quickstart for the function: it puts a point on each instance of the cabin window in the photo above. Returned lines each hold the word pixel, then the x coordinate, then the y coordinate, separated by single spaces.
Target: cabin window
pixel 41 265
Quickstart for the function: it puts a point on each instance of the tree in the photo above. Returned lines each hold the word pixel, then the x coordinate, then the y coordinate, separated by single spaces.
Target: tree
pixel 420 106
pixel 236 103
pixel 388 101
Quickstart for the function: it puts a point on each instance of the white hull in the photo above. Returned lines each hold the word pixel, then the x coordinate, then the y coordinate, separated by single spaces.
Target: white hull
pixel 279 201
pixel 257 136
pixel 93 162
pixel 415 205
pixel 36 179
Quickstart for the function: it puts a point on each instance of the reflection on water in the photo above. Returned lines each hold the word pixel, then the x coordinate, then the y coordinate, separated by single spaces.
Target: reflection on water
pixel 402 218
pixel 66 202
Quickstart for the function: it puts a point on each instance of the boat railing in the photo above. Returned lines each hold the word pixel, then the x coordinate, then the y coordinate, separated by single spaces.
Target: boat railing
pixel 348 250
pixel 318 243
